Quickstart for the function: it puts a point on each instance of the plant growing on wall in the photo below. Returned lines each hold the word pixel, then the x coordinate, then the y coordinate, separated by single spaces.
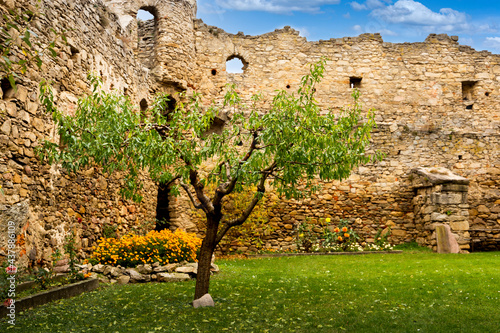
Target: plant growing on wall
pixel 18 48
pixel 289 147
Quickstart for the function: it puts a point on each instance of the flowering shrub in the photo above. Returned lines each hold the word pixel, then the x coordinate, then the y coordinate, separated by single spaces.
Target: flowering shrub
pixel 341 238
pixel 381 243
pixel 156 246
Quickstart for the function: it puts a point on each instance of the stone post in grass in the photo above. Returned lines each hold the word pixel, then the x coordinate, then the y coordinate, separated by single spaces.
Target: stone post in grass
pixel 441 209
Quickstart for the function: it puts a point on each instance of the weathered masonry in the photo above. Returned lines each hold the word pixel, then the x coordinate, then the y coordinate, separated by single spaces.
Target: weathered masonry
pixel 437 105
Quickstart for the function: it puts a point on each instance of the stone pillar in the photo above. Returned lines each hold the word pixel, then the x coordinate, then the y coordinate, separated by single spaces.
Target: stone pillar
pixel 440 198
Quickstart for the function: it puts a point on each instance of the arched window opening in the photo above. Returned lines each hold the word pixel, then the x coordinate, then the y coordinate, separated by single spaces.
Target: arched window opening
pixel 144 105
pixel 144 108
pixel 171 104
pixel 146 35
pixel 236 65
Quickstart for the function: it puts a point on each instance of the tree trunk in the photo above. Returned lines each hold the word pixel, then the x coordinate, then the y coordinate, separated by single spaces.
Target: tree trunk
pixel 205 259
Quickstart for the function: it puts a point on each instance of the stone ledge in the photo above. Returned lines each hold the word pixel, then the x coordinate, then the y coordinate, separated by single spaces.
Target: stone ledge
pixel 427 177
pixel 51 295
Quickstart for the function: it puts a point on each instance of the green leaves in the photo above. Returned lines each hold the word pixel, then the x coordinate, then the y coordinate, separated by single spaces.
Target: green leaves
pixel 18 44
pixel 227 148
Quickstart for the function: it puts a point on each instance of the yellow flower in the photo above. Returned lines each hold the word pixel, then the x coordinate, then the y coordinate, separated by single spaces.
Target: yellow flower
pixel 328 220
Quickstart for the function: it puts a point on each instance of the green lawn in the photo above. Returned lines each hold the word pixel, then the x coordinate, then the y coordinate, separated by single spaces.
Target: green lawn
pixel 409 292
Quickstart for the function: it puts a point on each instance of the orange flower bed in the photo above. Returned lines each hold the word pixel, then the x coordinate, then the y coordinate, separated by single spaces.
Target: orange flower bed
pixel 157 246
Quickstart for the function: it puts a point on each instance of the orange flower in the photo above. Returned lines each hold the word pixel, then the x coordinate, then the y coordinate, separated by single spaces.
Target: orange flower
pixel 344 229
pixel 336 230
pixel 346 235
pixel 340 238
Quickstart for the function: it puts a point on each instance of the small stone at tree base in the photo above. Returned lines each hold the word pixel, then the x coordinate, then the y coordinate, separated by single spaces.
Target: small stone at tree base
pixel 204 301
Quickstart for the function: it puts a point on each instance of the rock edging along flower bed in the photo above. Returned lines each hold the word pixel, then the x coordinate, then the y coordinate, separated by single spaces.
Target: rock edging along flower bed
pixel 147 273
pixel 319 254
pixel 51 295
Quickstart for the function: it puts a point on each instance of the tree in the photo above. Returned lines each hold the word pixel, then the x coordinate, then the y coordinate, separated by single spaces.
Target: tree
pixel 290 144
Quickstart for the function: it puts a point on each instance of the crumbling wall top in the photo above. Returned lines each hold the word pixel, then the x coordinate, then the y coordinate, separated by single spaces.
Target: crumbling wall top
pixel 427 177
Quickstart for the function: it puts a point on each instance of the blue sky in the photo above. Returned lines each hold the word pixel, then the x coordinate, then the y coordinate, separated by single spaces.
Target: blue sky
pixel 477 23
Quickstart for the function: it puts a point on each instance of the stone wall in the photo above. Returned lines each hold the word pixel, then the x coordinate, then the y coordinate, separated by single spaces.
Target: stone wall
pixel 54 201
pixel 437 105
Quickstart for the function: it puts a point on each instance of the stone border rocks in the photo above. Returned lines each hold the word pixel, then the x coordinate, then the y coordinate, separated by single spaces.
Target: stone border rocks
pixel 147 273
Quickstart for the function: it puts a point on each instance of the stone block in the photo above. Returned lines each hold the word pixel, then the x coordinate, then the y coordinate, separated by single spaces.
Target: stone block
pixel 204 301
pixel 446 241
pixel 172 277
pixel 455 188
pixel 186 270
pixel 447 198
pixel 459 226
pixel 398 233
pixel 135 276
pixel 123 279
pixel 438 217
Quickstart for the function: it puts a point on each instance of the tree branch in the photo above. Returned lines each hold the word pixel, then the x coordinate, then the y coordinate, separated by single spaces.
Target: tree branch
pixel 190 195
pixel 261 189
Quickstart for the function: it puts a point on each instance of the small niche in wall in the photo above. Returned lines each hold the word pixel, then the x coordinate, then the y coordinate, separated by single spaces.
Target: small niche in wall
pixel 469 107
pixel 355 82
pixel 288 86
pixel 74 52
pixel 468 90
pixel 7 89
pixel 214 72
pixel 487 94
pixel 236 64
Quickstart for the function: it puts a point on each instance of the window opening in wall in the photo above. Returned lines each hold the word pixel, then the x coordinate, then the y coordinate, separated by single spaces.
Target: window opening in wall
pixel 144 105
pixel 162 208
pixel 214 72
pixel 146 35
pixel 235 64
pixel 287 86
pixel 469 107
pixel 487 94
pixel 468 90
pixel 459 157
pixel 355 82
pixel 144 15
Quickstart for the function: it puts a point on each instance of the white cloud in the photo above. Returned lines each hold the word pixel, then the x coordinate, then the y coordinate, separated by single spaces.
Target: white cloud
pixel 358 28
pixel 276 6
pixel 347 15
pixel 415 13
pixel 492 42
pixel 357 6
pixel 303 32
pixel 369 4
pixel 373 29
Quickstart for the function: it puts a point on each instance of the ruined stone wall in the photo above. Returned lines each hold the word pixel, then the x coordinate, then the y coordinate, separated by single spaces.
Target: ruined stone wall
pixel 46 202
pixel 174 51
pixel 437 105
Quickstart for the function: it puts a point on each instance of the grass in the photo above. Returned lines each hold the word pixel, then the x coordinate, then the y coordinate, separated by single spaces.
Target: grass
pixel 409 292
